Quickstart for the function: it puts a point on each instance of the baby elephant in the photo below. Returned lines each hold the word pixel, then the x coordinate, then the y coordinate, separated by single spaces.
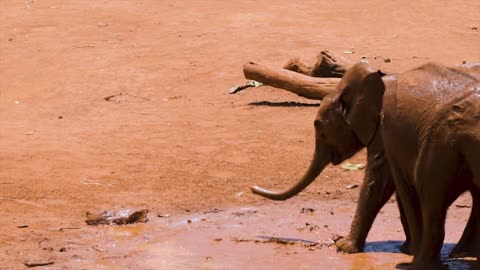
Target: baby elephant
pixel 422 131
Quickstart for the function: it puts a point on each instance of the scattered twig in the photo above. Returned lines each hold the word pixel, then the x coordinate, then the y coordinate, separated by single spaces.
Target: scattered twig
pixel 214 210
pixel 84 46
pixel 237 88
pixel 145 113
pixel 86 181
pixel 69 228
pixel 284 241
pixel 112 97
pixel 98 249
pixel 35 264
pixel 248 212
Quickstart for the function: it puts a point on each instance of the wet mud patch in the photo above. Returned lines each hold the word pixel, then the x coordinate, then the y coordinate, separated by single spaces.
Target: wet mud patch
pixel 272 236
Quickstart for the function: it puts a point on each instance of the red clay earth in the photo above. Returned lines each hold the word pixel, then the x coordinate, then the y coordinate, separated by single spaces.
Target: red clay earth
pixel 173 141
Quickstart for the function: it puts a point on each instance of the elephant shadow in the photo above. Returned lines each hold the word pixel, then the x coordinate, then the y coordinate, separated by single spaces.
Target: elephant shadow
pixel 394 247
pixel 452 264
pixel 283 104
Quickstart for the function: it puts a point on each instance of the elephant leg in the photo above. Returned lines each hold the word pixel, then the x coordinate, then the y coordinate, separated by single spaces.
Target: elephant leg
pixel 436 178
pixel 433 218
pixel 469 243
pixel 410 208
pixel 376 189
pixel 405 247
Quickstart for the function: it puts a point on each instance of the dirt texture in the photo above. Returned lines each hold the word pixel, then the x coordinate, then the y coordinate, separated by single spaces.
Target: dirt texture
pixel 113 105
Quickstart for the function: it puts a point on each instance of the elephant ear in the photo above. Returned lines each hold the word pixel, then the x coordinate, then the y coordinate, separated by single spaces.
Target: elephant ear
pixel 363 104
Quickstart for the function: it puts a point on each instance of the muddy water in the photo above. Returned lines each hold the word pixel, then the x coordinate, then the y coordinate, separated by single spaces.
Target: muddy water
pixel 294 235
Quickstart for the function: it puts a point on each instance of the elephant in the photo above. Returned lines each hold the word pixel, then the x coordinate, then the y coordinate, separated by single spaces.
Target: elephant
pixel 410 123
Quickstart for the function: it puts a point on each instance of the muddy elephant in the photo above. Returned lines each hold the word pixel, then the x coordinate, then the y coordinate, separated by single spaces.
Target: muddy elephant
pixel 422 133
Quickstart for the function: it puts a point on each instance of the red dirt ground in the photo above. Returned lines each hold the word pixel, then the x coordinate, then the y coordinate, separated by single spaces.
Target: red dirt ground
pixel 176 140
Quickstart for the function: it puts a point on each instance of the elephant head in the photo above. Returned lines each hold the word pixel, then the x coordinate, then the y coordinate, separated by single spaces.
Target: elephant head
pixel 345 123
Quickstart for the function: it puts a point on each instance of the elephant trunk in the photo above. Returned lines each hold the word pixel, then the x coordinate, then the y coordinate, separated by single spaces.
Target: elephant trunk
pixel 320 160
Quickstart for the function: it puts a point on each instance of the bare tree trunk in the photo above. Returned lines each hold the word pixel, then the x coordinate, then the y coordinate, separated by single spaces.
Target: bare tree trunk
pixel 327 65
pixel 302 85
pixel 312 82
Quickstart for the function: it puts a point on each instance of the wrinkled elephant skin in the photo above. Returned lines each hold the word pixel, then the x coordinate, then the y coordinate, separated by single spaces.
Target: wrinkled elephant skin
pixel 421 129
pixel 431 134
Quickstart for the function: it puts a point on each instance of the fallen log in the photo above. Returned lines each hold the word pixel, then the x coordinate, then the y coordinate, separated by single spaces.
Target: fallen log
pixel 302 85
pixel 327 65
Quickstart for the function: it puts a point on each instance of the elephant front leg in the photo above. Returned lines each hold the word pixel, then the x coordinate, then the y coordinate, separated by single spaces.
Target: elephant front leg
pixel 376 189
pixel 409 207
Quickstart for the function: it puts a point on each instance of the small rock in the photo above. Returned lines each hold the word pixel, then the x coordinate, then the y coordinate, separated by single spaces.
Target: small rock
pixel 118 218
pixel 163 215
pixel 239 194
pixel 63 249
pixel 351 186
pixel 98 219
pixel 135 217
pixel 474 28
pixel 218 239
pixel 387 60
pixel 102 24
pixel 307 210
pixel 21 226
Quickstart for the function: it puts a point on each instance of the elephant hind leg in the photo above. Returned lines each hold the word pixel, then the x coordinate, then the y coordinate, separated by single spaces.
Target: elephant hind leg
pixel 439 181
pixel 406 246
pixel 469 243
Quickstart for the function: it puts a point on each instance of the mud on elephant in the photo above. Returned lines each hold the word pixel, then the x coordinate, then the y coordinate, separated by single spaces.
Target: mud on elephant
pixel 444 102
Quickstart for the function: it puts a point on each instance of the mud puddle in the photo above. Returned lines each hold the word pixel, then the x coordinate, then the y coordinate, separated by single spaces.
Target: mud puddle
pixel 293 235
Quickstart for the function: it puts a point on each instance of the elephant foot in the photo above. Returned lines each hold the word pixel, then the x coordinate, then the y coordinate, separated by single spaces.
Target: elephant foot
pixel 347 245
pixel 406 248
pixel 462 251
